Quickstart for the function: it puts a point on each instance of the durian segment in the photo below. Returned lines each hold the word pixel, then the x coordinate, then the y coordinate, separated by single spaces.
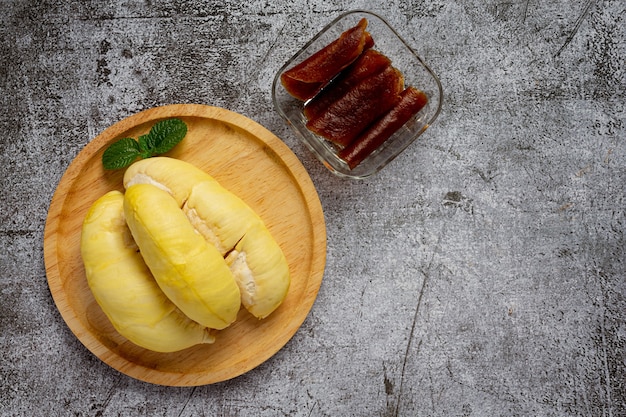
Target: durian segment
pixel 172 175
pixel 218 215
pixel 190 271
pixel 227 222
pixel 261 271
pixel 124 287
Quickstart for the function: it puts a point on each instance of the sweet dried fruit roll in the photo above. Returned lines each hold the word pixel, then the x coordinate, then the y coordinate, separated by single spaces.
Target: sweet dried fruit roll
pixel 190 271
pixel 371 62
pixel 125 289
pixel 304 80
pixel 411 102
pixel 348 116
pixel 227 222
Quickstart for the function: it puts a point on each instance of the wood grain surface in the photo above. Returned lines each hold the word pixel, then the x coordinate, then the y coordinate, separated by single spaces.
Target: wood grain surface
pixel 249 161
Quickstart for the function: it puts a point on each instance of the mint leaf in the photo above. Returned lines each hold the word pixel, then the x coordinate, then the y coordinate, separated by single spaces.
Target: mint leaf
pixel 163 136
pixel 146 145
pixel 166 134
pixel 120 154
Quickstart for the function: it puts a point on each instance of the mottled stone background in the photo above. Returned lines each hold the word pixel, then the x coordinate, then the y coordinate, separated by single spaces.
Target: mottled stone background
pixel 482 273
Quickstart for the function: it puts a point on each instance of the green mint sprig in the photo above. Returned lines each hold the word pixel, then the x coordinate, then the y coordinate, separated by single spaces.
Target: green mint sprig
pixel 163 136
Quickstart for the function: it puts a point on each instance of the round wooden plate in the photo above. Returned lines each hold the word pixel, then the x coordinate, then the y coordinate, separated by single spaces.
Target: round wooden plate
pixel 248 160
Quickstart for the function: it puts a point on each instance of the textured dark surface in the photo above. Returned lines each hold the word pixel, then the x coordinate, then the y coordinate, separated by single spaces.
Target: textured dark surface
pixel 482 273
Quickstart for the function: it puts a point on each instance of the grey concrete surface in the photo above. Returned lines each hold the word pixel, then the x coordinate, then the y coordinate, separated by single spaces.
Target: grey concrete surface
pixel 482 273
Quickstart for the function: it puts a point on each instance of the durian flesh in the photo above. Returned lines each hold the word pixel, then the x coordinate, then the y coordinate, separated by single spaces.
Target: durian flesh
pixel 125 289
pixel 190 271
pixel 228 223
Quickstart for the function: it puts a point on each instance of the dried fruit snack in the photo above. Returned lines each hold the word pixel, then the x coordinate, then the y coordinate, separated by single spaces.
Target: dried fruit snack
pixel 371 62
pixel 307 78
pixel 355 102
pixel 411 101
pixel 346 117
pixel 385 49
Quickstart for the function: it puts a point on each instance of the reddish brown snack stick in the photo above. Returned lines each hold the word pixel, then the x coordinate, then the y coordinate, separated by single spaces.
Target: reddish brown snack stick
pixel 304 80
pixel 411 102
pixel 370 63
pixel 347 117
pixel 369 41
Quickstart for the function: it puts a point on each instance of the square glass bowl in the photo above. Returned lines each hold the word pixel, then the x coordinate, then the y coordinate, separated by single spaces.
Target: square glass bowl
pixel 415 71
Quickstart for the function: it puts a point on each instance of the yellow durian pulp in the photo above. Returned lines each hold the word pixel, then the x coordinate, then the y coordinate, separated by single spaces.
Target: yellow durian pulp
pixel 124 287
pixel 218 215
pixel 190 271
pixel 260 270
pixel 226 222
